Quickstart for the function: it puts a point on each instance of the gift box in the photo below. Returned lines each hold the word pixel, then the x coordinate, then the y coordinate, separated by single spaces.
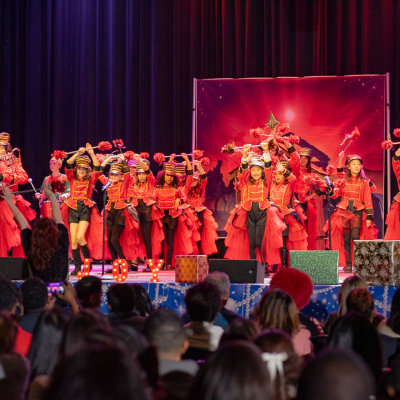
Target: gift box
pixel 190 269
pixel 378 261
pixel 322 266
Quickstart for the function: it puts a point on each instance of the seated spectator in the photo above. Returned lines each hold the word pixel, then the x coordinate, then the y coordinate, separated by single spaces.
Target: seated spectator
pixel 203 302
pixel 240 329
pixel 235 371
pixel 120 303
pixel 142 305
pixel 10 300
pixel 336 374
pixel 46 244
pixel 85 329
pixel 34 299
pixel 222 282
pixel 44 351
pixel 389 331
pixel 354 332
pixel 165 331
pixel 277 310
pixel 392 380
pixel 361 301
pixel 93 374
pixel 89 292
pixel 284 365
pixel 300 287
pixel 14 369
pixel 350 283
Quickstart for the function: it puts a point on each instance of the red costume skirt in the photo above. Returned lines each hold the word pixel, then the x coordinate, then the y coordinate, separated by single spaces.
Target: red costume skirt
pixel 393 222
pixel 10 235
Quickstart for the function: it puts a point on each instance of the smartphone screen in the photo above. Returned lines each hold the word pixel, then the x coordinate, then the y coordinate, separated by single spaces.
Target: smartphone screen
pixel 54 288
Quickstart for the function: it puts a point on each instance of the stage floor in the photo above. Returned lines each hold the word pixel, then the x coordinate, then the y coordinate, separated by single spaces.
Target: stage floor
pixel 163 276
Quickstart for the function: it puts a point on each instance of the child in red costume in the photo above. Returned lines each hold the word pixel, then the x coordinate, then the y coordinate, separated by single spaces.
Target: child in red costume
pixel 195 198
pixel 59 185
pixel 169 196
pixel 78 210
pixel 393 216
pixel 308 189
pixel 254 224
pixel 353 218
pixel 281 195
pixel 141 196
pixel 122 237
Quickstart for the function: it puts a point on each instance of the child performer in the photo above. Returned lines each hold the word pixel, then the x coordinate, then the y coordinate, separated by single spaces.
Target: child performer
pixel 195 198
pixel 308 189
pixel 353 218
pixel 169 196
pixel 393 217
pixel 281 195
pixel 118 219
pixel 79 205
pixel 254 224
pixel 141 196
pixel 59 185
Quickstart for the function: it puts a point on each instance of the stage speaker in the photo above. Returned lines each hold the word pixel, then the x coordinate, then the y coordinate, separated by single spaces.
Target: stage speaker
pixel 378 261
pixel 15 268
pixel 221 249
pixel 322 266
pixel 239 271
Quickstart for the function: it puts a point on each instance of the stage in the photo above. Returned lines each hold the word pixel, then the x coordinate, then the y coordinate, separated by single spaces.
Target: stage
pixel 243 297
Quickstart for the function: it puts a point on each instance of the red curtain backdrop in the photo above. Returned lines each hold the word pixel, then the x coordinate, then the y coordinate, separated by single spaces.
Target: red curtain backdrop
pixel 91 70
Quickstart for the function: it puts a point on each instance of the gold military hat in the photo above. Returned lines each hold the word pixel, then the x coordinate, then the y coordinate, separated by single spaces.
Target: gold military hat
pixel 305 151
pixel 352 157
pixel 82 161
pixel 116 168
pixel 169 168
pixel 180 169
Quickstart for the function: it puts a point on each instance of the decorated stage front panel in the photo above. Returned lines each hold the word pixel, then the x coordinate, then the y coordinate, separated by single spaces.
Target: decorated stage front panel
pixel 320 110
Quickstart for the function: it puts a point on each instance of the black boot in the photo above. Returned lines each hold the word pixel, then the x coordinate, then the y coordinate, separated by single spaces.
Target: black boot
pixel 284 256
pixel 86 253
pixel 76 259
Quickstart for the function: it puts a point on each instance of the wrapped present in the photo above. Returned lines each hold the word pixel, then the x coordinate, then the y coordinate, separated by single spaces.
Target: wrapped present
pixel 190 268
pixel 320 265
pixel 378 261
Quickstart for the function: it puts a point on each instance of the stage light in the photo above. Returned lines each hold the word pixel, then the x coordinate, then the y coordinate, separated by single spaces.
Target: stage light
pixel 289 115
pixel 120 270
pixel 155 268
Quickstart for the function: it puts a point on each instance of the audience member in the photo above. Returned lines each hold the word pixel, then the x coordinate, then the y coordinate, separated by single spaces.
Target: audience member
pixel 389 331
pixel 222 282
pixel 120 303
pixel 283 364
pixel 10 301
pixel 142 305
pixel 93 374
pixel 89 292
pixel 336 374
pixel 235 372
pixel 203 302
pixel 44 351
pixel 354 332
pixel 300 287
pixel 34 298
pixel 166 332
pixel 277 310
pixel 85 329
pixel 240 329
pixel 350 283
pixel 361 301
pixel 14 369
pixel 46 244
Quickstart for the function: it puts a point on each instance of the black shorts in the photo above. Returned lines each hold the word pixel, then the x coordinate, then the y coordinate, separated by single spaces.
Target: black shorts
pixel 82 213
pixel 144 212
pixel 115 217
pixel 169 222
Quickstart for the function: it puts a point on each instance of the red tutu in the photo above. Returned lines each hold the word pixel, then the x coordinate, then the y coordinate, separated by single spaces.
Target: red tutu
pixel 157 233
pixel 10 235
pixel 393 222
pixel 184 243
pixel 297 238
pixel 25 208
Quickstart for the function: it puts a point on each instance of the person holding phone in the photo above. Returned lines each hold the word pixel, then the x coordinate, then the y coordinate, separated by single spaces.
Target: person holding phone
pixel 46 244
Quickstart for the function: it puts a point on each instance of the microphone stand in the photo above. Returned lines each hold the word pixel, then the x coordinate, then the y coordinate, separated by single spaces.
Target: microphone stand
pixel 328 200
pixel 104 230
